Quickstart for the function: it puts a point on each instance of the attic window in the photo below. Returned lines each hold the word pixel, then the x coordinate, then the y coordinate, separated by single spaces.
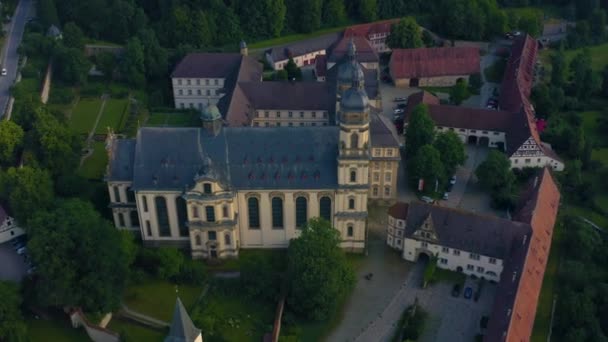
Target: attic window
pixel 290 175
pixel 277 175
pixel 251 175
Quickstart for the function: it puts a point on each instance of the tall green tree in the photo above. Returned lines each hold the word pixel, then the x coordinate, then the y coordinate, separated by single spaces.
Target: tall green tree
pixel 406 34
pixel 367 10
pixel 318 272
pixel 275 12
pixel 585 81
pixel 293 72
pixel 71 66
pixel 558 67
pixel 451 151
pixel 155 56
pixel 12 324
pixel 420 130
pixel 27 190
pixel 459 92
pixel 334 13
pixel 11 140
pixel 427 165
pixel 47 13
pixel 73 36
pixel 495 175
pixel 133 67
pixel 106 63
pixel 81 258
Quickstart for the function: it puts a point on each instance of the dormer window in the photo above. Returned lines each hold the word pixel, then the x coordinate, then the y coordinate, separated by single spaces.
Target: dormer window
pixel 207 188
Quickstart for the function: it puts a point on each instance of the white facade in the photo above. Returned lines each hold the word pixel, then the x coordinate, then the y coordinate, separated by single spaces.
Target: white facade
pixel 9 229
pixel 531 155
pixel 197 93
pixel 275 117
pixel 300 60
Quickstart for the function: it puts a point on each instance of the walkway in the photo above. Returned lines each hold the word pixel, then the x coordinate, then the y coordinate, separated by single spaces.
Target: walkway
pixel 87 143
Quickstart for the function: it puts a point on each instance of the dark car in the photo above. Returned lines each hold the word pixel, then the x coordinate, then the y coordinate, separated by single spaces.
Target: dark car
pixel 468 293
pixel 400 99
pixel 456 290
pixel 402 105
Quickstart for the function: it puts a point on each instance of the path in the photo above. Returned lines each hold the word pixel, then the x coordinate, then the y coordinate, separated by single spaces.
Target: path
pixel 141 318
pixel 87 143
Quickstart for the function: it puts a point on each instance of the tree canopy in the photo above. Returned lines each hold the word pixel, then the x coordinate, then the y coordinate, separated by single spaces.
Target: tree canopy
pixel 11 140
pixel 496 176
pixel 27 191
pixel 420 130
pixel 451 151
pixel 12 324
pixel 427 165
pixel 459 92
pixel 82 259
pixel 406 34
pixel 317 270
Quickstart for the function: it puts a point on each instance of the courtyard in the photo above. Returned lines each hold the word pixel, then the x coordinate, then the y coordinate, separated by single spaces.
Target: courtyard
pixel 13 266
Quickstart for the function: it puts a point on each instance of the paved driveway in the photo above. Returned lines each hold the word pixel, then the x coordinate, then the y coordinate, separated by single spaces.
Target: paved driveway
pixel 450 319
pixel 10 57
pixel 12 265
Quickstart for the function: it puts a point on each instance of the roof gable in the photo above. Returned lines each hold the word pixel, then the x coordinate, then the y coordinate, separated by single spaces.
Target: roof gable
pixel 182 329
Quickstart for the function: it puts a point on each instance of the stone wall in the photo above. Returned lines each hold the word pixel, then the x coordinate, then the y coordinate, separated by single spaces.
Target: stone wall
pixel 96 333
pixel 46 84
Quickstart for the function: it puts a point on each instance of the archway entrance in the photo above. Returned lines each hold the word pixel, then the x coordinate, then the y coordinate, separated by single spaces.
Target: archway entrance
pixel 472 139
pixel 484 141
pixel 424 257
pixel 414 82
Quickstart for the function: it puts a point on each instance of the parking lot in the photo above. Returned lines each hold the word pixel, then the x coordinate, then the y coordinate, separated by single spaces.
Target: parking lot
pixel 13 266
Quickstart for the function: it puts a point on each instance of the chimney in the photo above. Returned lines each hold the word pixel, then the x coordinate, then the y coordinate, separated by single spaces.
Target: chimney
pixel 244 50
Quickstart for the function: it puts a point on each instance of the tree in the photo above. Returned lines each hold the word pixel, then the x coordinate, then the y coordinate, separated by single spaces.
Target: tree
pixel 12 324
pixel 496 176
pixel 451 151
pixel 27 190
pixel 459 92
pixel 367 10
pixel 132 65
pixel 11 140
pixel 293 71
pixel 106 63
pixel 585 81
pixel 605 82
pixel 334 13
pixel 71 65
pixel 427 165
pixel 305 15
pixel 558 68
pixel 317 271
pixel 81 258
pixel 275 12
pixel 598 25
pixel 420 130
pixel 47 13
pixel 406 34
pixel 155 56
pixel 73 36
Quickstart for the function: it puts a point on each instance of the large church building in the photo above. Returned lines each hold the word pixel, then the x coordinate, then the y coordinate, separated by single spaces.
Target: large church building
pixel 217 189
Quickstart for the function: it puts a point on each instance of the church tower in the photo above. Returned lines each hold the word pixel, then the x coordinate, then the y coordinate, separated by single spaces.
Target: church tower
pixel 353 165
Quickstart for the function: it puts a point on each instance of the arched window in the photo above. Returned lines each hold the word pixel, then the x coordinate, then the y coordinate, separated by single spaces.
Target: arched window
pixel 351 203
pixel 253 207
pixel 227 239
pixel 225 211
pixel 354 140
pixel 197 240
pixel 210 212
pixel 277 212
pixel 162 217
pixel 325 208
pixel 353 175
pixel 182 216
pixel 134 218
pixel 301 211
pixel 194 211
pixel 349 231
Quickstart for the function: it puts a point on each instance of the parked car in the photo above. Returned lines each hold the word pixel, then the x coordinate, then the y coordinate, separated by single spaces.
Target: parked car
pixel 445 196
pixel 453 180
pixel 427 199
pixel 22 250
pixel 18 240
pixel 400 99
pixel 3 71
pixel 19 245
pixel 456 290
pixel 398 111
pixel 402 105
pixel 468 293
pixel 31 270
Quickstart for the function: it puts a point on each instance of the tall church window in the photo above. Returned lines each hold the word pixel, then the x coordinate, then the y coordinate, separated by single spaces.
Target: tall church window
pixel 351 203
pixel 325 208
pixel 197 240
pixel 210 212
pixel 162 216
pixel 277 212
pixel 227 239
pixel 134 218
pixel 354 140
pixel 301 211
pixel 253 207
pixel 182 216
pixel 353 176
pixel 349 231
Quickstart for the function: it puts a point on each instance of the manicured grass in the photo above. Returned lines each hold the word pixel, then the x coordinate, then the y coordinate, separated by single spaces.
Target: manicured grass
pixel 95 165
pixel 136 332
pixel 589 214
pixel 156 298
pixel 112 116
pixel 177 119
pixel 293 38
pixel 599 56
pixel 84 115
pixel 54 330
pixel 600 154
pixel 542 322
pixel 436 90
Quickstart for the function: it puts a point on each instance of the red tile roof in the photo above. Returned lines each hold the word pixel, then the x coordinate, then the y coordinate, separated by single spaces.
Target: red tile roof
pixel 321 65
pixel 514 310
pixel 365 52
pixel 364 30
pixel 398 210
pixel 519 74
pixel 430 62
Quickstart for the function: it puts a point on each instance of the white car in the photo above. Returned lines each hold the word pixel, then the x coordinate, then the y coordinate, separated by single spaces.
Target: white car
pixel 398 111
pixel 427 199
pixel 22 250
pixel 445 196
pixel 453 180
pixel 3 71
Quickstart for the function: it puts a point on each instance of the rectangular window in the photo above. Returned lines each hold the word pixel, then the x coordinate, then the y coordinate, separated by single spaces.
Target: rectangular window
pixel 314 114
pixel 387 191
pixel 145 202
pixel 325 115
pixel 389 152
pixel 216 81
pixel 456 252
pixel 207 188
pixel 398 232
pixel 189 91
pixel 377 152
pixel 266 114
pixel 148 228
pixel 443 261
pixel 194 211
pixel 179 82
pixel 445 250
pixel 301 114
pixel 470 267
pixel 116 194
pixel 210 212
pixel 493 261
pixel 480 269
pixel 198 81
pixel 528 161
pixel 376 176
pixel 188 81
pixel 377 166
pixel 121 220
pixel 424 244
pixel 225 211
pixel 290 114
pixel 387 177
pixel 462 129
pixel 375 191
pixel 208 92
pixel 181 92
pixel 278 114
pixel 474 256
pixel 212 236
pixel 199 92
pixel 207 81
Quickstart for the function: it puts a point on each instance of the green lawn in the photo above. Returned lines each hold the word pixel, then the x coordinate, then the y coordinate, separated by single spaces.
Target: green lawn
pixel 136 332
pixel 435 90
pixel 95 165
pixel 54 330
pixel 599 56
pixel 293 38
pixel 156 298
pixel 84 115
pixel 600 154
pixel 112 116
pixel 176 119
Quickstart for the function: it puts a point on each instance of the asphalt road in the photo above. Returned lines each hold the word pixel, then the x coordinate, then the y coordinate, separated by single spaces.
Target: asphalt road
pixel 10 58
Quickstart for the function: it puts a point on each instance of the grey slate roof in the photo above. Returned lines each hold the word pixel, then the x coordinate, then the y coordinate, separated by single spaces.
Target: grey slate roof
pixel 207 65
pixel 288 95
pixel 240 157
pixel 303 47
pixel 182 329
pixel 382 131
pixel 121 160
pixel 466 231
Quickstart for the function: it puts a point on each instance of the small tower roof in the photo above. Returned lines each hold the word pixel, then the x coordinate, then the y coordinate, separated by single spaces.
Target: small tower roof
pixel 243 45
pixel 182 329
pixel 210 113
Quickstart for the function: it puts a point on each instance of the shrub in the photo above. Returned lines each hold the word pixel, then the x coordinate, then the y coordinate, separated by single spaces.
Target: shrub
pixel 192 272
pixel 92 89
pixel 30 71
pixel 429 271
pixel 61 96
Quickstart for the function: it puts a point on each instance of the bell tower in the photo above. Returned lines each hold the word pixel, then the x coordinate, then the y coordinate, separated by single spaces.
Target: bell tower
pixel 353 165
